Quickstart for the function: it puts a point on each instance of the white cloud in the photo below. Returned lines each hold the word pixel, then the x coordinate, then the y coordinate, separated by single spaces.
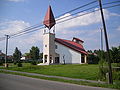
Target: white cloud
pixel 85 20
pixel 118 28
pixel 91 37
pixel 16 0
pixel 63 30
pixel 24 42
pixel 12 27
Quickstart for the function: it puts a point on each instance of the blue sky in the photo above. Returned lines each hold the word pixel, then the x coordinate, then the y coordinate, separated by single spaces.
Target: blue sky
pixel 15 15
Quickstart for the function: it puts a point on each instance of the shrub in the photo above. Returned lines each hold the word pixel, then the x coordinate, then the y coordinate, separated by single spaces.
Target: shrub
pixel 116 75
pixel 92 59
pixel 102 70
pixel 19 64
pixel 15 62
pixel 1 63
pixel 118 64
pixel 34 63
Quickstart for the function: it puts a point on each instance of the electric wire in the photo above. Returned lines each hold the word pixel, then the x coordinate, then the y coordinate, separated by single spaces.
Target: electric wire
pixel 88 13
pixel 30 29
pixel 75 17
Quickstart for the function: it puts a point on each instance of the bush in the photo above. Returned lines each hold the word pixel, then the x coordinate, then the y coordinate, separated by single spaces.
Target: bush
pixel 19 64
pixel 1 63
pixel 92 59
pixel 102 70
pixel 118 64
pixel 34 63
pixel 116 75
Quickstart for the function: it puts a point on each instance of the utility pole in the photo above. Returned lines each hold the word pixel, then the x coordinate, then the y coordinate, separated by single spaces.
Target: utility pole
pixel 101 34
pixel 110 80
pixel 7 37
pixel 101 39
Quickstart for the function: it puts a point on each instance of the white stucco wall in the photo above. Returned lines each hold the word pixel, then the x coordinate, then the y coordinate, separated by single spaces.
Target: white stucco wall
pixel 70 55
pixel 49 47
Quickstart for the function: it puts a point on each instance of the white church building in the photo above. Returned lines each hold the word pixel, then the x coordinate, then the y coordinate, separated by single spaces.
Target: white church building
pixel 60 51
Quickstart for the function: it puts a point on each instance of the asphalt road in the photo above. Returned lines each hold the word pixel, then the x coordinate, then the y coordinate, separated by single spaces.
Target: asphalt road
pixel 15 82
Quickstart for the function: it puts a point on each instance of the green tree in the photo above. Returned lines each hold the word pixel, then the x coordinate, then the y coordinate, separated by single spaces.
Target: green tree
pixel 34 53
pixel 101 54
pixel 27 55
pixel 115 54
pixel 17 55
pixel 92 59
pixel 41 55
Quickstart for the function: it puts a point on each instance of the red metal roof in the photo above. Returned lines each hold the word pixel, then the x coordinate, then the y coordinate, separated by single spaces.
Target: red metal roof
pixel 75 46
pixel 49 20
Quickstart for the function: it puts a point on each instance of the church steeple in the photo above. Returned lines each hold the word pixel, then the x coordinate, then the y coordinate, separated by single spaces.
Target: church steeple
pixel 49 38
pixel 49 20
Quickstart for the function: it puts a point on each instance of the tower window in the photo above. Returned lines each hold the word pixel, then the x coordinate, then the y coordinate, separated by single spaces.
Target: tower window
pixel 56 46
pixel 45 45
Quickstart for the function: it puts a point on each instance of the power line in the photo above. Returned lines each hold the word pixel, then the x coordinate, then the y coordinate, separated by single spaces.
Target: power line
pixel 62 14
pixel 72 18
pixel 76 16
pixel 29 28
pixel 27 32
pixel 88 13
pixel 66 20
pixel 86 9
pixel 69 12
pixel 77 8
pixel 56 20
pixel 78 12
pixel 37 25
pixel 110 2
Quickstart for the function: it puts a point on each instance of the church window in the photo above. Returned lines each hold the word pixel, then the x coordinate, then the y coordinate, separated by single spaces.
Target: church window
pixel 56 47
pixel 45 45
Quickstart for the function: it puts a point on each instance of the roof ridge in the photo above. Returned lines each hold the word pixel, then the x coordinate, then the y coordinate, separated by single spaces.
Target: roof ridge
pixel 73 45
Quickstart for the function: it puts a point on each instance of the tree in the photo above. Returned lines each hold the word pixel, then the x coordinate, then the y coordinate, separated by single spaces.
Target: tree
pixel 17 55
pixel 93 59
pixel 101 54
pixel 115 54
pixel 27 55
pixel 34 53
pixel 41 55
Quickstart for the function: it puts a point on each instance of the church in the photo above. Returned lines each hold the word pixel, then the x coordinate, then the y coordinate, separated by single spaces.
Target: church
pixel 60 51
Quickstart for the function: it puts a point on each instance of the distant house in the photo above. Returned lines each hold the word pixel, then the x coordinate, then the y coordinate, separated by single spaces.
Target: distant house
pixel 23 58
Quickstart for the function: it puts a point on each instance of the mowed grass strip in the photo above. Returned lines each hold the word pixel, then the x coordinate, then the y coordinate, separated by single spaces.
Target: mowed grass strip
pixel 115 86
pixel 83 71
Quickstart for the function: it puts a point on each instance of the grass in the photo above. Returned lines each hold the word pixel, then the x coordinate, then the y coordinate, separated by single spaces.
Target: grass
pixel 115 86
pixel 84 71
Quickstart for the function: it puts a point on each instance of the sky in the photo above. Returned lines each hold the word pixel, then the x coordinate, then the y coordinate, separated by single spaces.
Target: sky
pixel 16 15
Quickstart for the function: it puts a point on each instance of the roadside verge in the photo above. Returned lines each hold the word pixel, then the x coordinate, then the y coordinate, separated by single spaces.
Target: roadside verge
pixel 61 79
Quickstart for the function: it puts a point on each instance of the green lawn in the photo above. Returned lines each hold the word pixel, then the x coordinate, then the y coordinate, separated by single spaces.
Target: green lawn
pixel 83 71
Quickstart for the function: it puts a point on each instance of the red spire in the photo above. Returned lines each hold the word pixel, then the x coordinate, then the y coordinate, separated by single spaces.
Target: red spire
pixel 49 20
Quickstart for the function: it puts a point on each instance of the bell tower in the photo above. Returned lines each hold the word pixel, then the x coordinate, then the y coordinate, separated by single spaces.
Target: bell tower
pixel 49 37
